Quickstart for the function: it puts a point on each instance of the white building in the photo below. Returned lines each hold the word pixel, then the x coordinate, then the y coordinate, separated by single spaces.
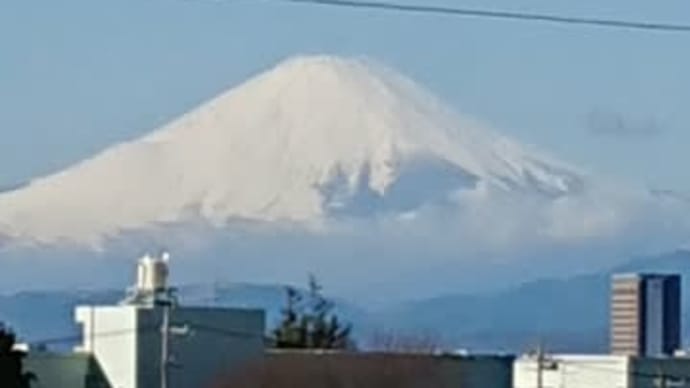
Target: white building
pixel 127 340
pixel 601 371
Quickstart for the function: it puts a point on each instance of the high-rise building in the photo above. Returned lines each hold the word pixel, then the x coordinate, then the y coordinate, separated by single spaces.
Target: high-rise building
pixel 645 314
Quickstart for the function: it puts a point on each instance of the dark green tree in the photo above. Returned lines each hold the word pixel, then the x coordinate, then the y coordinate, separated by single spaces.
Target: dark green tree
pixel 292 330
pixel 309 321
pixel 12 373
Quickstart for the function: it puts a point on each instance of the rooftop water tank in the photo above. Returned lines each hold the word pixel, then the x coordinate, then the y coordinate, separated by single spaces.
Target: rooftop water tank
pixel 152 273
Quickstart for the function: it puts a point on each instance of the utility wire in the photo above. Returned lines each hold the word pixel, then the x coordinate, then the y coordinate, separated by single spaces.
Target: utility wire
pixel 100 334
pixel 144 330
pixel 225 332
pixel 495 14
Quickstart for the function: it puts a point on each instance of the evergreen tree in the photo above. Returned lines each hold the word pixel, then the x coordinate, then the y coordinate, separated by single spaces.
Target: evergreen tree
pixel 292 330
pixel 310 323
pixel 12 374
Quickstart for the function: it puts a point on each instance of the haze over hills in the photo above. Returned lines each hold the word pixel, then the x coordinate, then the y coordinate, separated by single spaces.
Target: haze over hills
pixel 569 314
pixel 336 166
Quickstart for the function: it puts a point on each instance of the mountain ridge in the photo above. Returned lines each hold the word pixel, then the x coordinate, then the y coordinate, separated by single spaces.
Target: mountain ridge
pixel 311 138
pixel 546 308
pixel 570 314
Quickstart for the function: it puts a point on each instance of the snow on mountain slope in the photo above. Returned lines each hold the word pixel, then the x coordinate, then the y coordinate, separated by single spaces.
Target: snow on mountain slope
pixel 313 138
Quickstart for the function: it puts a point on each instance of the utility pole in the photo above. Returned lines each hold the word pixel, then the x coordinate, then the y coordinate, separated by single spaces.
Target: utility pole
pixel 540 365
pixel 167 303
pixel 165 343
pixel 166 300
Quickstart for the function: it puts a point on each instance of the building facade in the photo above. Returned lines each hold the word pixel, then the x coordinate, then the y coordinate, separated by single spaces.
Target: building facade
pixel 645 314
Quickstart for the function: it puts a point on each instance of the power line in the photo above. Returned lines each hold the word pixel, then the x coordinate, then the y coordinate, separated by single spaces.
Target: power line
pixel 227 333
pixel 494 14
pixel 100 334
pixel 144 330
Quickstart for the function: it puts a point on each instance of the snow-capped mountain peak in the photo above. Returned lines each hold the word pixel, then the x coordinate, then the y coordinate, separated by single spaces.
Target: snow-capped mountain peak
pixel 312 138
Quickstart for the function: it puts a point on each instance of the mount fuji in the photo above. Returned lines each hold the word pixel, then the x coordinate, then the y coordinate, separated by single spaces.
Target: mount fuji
pixel 314 139
pixel 337 166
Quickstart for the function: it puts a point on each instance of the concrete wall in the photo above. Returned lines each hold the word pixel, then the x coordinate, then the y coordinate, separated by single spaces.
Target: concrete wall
pixel 409 370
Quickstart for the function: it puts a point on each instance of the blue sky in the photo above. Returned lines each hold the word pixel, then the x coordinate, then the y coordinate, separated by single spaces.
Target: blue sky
pixel 79 75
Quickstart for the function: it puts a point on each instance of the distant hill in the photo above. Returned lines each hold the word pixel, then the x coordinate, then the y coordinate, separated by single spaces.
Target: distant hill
pixel 569 314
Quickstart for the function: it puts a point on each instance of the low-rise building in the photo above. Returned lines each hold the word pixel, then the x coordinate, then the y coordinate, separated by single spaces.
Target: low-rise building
pixel 126 343
pixel 149 338
pixel 600 371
